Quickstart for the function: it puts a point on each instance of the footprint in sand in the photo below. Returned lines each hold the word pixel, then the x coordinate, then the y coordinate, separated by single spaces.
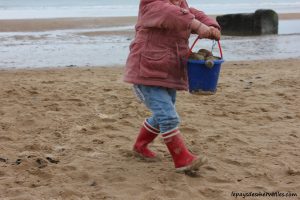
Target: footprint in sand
pixel 188 130
pixel 111 127
pixel 126 123
pixel 126 153
pixel 293 172
pixel 238 141
pixel 171 193
pixel 210 168
pixel 84 148
pixel 211 193
pixel 213 138
pixel 232 162
pixel 5 139
pixel 68 168
pixel 215 179
pixel 98 141
pixel 4 126
pixel 53 107
pixel 113 177
pixel 2 173
pixel 42 174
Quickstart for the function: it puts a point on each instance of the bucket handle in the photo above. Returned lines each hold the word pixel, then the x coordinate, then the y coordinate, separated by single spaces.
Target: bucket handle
pixel 194 43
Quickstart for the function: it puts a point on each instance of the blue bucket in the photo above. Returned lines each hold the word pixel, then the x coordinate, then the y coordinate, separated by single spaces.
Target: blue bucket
pixel 202 78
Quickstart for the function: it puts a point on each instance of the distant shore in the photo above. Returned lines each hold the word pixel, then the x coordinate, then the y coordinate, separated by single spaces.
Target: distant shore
pixel 33 25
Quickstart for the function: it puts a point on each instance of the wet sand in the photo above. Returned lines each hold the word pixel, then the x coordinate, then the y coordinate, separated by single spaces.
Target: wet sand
pixel 31 25
pixel 68 133
pixel 27 25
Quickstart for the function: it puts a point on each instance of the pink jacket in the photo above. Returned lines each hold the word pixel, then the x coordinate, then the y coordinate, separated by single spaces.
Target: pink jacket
pixel 158 52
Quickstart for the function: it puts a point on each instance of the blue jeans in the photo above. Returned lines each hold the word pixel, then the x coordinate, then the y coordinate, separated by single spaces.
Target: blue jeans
pixel 161 102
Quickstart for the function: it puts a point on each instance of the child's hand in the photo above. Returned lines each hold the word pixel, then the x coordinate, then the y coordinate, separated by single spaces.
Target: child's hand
pixel 205 31
pixel 215 34
pixel 210 33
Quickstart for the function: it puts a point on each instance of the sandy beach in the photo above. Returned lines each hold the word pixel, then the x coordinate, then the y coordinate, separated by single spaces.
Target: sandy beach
pixel 68 133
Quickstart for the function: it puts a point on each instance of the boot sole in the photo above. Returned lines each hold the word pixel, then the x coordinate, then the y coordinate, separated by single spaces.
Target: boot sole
pixel 147 159
pixel 194 166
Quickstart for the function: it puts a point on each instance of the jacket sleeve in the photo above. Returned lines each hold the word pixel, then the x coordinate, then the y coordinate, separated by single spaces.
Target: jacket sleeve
pixel 202 17
pixel 162 14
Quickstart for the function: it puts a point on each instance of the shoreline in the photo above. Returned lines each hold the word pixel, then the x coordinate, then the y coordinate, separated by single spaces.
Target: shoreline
pixel 121 66
pixel 36 25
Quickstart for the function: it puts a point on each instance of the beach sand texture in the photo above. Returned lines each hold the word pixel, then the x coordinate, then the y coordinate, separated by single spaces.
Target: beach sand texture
pixel 68 133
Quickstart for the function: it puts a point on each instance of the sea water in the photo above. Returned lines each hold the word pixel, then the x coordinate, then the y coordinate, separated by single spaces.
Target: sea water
pixel 66 48
pixel 20 9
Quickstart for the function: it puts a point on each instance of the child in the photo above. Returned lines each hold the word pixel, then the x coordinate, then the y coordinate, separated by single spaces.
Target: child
pixel 157 69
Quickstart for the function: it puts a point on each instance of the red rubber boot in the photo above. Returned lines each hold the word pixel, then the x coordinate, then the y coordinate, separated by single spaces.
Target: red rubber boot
pixel 184 160
pixel 147 135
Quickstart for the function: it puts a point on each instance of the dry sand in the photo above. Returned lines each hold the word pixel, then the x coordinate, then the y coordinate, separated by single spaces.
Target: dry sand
pixel 68 133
